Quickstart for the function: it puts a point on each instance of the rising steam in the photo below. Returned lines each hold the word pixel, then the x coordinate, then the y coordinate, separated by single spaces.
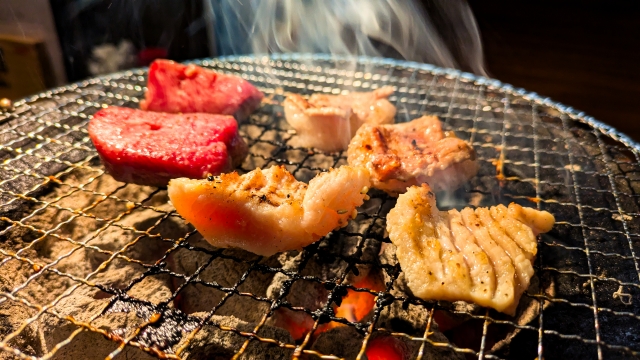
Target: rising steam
pixel 447 35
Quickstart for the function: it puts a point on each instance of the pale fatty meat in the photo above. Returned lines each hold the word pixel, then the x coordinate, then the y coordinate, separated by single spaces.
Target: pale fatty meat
pixel 483 256
pixel 328 122
pixel 269 211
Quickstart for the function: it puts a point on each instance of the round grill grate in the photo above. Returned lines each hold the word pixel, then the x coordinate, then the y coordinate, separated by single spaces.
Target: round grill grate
pixel 59 206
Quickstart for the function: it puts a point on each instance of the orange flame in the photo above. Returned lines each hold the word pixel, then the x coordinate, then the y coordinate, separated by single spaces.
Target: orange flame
pixel 354 307
pixel 298 328
pixel 297 323
pixel 356 304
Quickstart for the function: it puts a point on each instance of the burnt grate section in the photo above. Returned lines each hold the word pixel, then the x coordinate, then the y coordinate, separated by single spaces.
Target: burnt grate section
pixel 85 259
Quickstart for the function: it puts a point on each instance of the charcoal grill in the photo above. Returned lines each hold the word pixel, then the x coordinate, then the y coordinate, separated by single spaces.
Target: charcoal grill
pixel 532 151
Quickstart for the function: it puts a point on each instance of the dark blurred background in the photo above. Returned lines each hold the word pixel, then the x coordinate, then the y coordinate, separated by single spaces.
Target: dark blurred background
pixel 581 53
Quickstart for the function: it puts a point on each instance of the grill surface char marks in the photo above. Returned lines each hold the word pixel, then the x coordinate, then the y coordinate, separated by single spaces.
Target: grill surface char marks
pixel 56 197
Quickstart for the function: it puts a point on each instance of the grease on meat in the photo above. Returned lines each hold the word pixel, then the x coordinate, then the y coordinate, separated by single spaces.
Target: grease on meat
pixel 483 255
pixel 269 211
pixel 412 153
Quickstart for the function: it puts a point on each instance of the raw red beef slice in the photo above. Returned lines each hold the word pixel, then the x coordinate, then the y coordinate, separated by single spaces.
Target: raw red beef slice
pixel 174 88
pixel 150 148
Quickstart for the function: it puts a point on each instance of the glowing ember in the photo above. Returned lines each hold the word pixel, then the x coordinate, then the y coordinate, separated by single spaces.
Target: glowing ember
pixel 385 348
pixel 297 323
pixel 298 329
pixel 356 304
pixel 445 321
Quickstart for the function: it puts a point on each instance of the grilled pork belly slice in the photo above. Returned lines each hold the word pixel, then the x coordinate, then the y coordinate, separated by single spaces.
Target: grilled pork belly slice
pixel 176 88
pixel 412 153
pixel 328 122
pixel 149 148
pixel 483 256
pixel 269 211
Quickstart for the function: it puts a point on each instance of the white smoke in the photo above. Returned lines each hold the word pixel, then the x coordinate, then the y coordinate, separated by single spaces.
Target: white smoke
pixel 351 27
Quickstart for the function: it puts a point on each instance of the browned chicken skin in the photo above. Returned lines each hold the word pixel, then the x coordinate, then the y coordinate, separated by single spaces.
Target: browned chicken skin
pixel 412 153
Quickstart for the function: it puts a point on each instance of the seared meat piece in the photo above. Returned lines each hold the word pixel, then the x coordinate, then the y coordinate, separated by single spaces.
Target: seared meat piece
pixel 268 211
pixel 178 88
pixel 328 122
pixel 412 153
pixel 483 255
pixel 149 148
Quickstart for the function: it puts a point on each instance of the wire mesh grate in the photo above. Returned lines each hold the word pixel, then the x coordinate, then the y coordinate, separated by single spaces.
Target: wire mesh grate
pixel 88 261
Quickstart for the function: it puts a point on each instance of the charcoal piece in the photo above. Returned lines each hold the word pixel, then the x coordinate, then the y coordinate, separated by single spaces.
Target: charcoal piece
pixel 343 341
pixel 219 269
pixel 14 313
pixel 219 340
pixel 309 294
pixel 346 342
pixel 82 306
pixel 12 316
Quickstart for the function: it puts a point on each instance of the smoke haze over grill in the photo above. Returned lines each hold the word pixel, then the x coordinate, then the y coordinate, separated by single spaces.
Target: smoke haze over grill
pixel 445 34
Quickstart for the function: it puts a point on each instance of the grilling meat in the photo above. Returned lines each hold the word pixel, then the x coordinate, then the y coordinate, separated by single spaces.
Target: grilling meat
pixel 178 88
pixel 149 148
pixel 328 122
pixel 412 153
pixel 268 211
pixel 483 255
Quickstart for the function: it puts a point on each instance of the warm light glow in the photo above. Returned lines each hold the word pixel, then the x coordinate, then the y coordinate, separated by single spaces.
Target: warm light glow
pixel 385 348
pixel 356 304
pixel 298 330
pixel 297 323
pixel 445 321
